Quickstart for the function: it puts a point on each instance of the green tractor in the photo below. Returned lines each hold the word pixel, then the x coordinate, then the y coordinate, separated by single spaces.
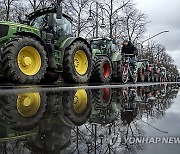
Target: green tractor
pixel 43 47
pixel 106 60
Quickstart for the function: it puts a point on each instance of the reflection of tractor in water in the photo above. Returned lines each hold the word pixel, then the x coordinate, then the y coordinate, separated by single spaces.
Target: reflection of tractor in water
pixel 104 110
pixel 54 133
pixel 20 116
pixel 24 110
pixel 43 124
pixel 42 48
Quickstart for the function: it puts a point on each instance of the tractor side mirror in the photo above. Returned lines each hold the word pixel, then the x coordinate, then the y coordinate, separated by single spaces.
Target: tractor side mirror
pixel 59 12
pixel 51 20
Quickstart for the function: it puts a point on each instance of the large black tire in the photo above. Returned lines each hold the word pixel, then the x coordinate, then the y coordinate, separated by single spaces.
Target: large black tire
pixel 70 73
pixel 102 97
pixel 19 121
pixel 102 69
pixel 10 62
pixel 141 74
pixel 123 74
pixel 78 114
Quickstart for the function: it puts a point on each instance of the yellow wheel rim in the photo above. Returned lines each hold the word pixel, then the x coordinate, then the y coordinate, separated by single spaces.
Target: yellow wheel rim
pixel 29 60
pixel 81 62
pixel 28 104
pixel 80 101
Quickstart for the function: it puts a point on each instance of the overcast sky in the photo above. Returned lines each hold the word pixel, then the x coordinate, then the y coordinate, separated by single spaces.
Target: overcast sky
pixel 164 15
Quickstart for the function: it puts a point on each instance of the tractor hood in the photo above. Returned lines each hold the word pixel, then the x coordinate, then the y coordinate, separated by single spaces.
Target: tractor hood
pixel 7 28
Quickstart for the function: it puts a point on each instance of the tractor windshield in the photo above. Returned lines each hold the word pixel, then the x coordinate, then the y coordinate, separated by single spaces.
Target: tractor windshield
pixel 106 46
pixel 63 27
pixel 39 22
pixel 98 44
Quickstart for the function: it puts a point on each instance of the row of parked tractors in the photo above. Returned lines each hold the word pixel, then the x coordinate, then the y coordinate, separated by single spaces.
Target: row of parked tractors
pixel 42 48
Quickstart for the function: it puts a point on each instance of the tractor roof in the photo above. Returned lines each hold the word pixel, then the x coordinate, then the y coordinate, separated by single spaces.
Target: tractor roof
pixel 44 11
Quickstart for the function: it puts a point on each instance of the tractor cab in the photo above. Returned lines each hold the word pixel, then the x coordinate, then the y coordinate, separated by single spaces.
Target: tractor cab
pixel 103 46
pixel 47 20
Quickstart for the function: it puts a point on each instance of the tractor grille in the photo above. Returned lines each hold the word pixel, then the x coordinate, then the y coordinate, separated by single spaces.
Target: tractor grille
pixel 3 30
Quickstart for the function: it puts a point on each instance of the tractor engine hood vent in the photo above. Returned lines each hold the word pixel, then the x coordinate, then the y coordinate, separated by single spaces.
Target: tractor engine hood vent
pixel 4 30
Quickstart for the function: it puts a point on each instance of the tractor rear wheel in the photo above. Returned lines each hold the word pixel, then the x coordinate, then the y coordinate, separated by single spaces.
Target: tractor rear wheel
pixel 77 63
pixel 102 69
pixel 24 60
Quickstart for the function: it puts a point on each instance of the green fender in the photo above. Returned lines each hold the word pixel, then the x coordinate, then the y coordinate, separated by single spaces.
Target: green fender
pixel 67 42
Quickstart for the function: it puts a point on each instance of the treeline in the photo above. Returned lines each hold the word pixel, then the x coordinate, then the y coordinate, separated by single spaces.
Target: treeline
pixel 156 53
pixel 119 19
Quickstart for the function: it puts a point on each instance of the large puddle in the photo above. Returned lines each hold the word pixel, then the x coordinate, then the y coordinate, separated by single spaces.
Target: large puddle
pixel 110 119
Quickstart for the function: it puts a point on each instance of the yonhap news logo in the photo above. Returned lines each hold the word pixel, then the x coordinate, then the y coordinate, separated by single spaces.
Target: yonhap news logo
pixel 151 140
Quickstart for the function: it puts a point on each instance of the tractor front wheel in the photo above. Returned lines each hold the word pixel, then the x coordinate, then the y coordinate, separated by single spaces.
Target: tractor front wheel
pixel 102 69
pixel 24 60
pixel 77 63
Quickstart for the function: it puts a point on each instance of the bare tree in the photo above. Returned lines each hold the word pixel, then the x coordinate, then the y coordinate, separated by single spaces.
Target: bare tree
pixel 21 10
pixel 156 53
pixel 132 24
pixel 7 6
pixel 37 4
pixel 78 10
pixel 112 12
